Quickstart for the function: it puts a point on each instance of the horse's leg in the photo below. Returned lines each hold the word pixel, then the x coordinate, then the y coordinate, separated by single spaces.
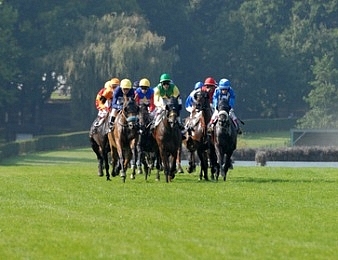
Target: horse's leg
pixel 106 164
pixel 213 159
pixel 192 163
pixel 178 161
pixel 133 156
pixel 140 156
pixel 165 163
pixel 158 166
pixel 121 161
pixel 204 162
pixel 173 168
pixel 227 164
pixel 96 149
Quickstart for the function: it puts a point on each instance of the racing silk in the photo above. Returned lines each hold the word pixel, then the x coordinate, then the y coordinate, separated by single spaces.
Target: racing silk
pixel 229 96
pixel 118 97
pixel 209 91
pixel 191 100
pixel 145 98
pixel 107 94
pixel 162 96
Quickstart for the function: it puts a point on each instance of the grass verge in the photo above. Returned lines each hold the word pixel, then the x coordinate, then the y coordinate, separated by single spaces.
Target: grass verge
pixel 53 206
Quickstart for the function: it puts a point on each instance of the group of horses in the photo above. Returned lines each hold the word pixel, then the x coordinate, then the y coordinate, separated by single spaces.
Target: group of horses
pixel 214 147
pixel 142 143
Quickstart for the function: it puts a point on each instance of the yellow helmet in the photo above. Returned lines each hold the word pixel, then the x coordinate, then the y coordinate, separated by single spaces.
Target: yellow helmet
pixel 108 84
pixel 144 83
pixel 115 81
pixel 125 83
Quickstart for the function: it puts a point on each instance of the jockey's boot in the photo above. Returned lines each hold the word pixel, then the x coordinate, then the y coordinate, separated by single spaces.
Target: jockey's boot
pixel 238 128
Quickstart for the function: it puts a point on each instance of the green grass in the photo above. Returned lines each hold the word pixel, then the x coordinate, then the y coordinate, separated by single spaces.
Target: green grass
pixel 53 206
pixel 264 140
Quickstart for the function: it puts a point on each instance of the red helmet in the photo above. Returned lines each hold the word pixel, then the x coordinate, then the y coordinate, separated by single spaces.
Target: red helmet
pixel 210 81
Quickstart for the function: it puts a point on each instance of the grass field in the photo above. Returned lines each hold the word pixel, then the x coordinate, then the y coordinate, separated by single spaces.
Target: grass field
pixel 264 140
pixel 53 206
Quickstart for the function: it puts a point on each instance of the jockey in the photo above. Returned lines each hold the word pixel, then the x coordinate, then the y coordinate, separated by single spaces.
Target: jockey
pixel 121 93
pixel 162 94
pixel 136 84
pixel 145 95
pixel 209 86
pixel 225 91
pixel 190 102
pixel 103 100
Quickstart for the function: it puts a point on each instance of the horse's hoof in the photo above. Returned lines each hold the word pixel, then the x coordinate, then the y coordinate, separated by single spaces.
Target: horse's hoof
pixel 100 174
pixel 180 170
pixel 132 176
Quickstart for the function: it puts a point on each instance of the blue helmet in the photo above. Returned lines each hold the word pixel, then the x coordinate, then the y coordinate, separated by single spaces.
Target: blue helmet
pixel 224 84
pixel 198 85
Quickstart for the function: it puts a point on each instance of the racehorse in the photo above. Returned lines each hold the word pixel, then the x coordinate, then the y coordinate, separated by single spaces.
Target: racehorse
pixel 225 139
pixel 168 137
pixel 124 137
pixel 147 149
pixel 100 145
pixel 196 137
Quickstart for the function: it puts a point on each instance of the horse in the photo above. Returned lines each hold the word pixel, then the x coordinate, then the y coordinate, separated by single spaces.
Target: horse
pixel 124 137
pixel 168 137
pixel 147 149
pixel 99 142
pixel 225 140
pixel 197 139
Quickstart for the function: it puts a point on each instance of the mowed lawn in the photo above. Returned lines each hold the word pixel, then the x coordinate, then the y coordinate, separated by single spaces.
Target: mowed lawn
pixel 54 206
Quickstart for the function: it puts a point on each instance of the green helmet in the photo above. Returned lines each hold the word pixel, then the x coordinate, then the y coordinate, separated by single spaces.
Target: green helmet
pixel 165 77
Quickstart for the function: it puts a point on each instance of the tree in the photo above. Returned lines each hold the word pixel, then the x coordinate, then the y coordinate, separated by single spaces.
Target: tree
pixel 9 57
pixel 113 46
pixel 323 98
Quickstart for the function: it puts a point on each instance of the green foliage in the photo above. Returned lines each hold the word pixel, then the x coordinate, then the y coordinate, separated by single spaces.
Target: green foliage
pixel 9 56
pixel 114 46
pixel 55 200
pixel 323 98
pixel 266 48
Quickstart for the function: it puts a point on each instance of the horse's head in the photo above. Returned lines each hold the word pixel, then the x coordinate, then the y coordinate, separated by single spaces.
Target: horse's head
pixel 202 100
pixel 144 116
pixel 131 111
pixel 223 119
pixel 172 111
pixel 224 105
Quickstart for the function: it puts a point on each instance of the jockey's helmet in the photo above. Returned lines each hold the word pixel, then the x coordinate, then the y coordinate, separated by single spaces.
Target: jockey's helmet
pixel 115 81
pixel 210 82
pixel 108 84
pixel 198 85
pixel 165 77
pixel 144 83
pixel 125 84
pixel 224 84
